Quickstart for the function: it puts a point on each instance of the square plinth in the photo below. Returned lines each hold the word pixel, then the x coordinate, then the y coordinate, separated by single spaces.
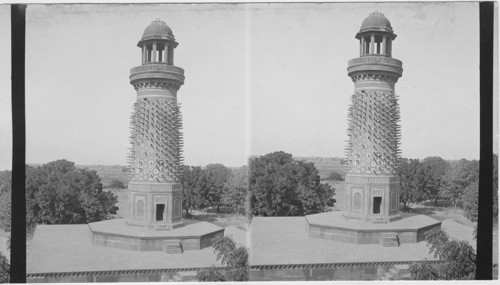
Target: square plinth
pixel 334 226
pixel 117 233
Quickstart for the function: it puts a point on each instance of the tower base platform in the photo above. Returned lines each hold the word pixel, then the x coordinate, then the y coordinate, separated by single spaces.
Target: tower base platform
pixel 117 233
pixel 334 226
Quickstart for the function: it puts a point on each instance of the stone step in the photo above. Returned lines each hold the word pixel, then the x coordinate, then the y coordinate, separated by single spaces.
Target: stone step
pixel 388 276
pixel 389 234
pixel 389 239
pixel 402 268
pixel 405 276
pixel 173 251
pixel 173 246
pixel 398 272
pixel 185 276
pixel 393 272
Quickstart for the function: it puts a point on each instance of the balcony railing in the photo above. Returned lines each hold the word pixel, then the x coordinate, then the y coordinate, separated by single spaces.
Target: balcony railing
pixel 157 70
pixel 375 63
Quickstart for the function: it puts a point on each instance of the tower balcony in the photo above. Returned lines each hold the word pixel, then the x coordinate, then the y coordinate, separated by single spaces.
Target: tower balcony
pixel 389 67
pixel 157 73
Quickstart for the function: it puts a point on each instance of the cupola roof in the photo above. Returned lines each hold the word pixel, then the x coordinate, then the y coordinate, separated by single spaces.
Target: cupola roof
pixel 158 30
pixel 376 22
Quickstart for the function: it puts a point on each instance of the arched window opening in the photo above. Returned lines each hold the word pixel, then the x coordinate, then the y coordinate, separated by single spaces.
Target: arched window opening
pixel 139 208
pixel 356 204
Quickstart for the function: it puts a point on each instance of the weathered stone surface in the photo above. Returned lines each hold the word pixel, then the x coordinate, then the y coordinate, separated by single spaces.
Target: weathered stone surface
pixel 333 226
pixel 117 233
pixel 286 241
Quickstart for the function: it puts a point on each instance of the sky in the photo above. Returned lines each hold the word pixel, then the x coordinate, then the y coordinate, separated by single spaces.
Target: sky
pixel 259 78
pixel 5 90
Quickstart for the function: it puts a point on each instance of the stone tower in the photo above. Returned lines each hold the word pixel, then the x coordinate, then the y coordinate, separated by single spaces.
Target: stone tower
pixel 155 197
pixel 372 184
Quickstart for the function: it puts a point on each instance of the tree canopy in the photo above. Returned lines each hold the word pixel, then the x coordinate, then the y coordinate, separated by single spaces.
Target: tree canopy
pixel 4 269
pixel 59 193
pixel 334 176
pixel 410 190
pixel 213 186
pixel 233 257
pixel 5 200
pixel 115 183
pixel 282 186
pixel 216 177
pixel 457 259
pixel 459 176
pixel 435 178
pixel 193 181
pixel 236 188
pixel 431 176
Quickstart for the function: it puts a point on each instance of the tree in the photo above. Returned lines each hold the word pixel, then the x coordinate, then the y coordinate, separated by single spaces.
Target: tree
pixel 5 181
pixel 470 200
pixel 431 176
pixel 282 186
pixel 212 274
pixel 5 200
pixel 408 171
pixel 460 175
pixel 457 259
pixel 471 195
pixel 334 176
pixel 193 182
pixel 4 269
pixel 115 183
pixel 59 193
pixel 234 258
pixel 236 189
pixel 495 186
pixel 217 176
pixel 424 271
pixel 5 211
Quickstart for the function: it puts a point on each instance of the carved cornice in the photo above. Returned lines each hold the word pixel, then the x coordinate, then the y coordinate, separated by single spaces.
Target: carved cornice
pixel 373 76
pixel 115 272
pixel 143 238
pixel 158 75
pixel 372 179
pixel 379 68
pixel 152 187
pixel 141 85
pixel 339 264
pixel 313 226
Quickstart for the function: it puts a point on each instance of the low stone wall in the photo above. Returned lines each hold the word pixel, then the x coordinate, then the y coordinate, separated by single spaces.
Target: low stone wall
pixel 206 240
pixel 367 236
pixel 423 231
pixel 109 277
pixel 352 272
pixel 153 243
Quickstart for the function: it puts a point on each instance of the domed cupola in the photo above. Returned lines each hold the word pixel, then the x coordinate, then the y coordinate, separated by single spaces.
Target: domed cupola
pixel 157 43
pixel 376 35
pixel 158 30
pixel 376 22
